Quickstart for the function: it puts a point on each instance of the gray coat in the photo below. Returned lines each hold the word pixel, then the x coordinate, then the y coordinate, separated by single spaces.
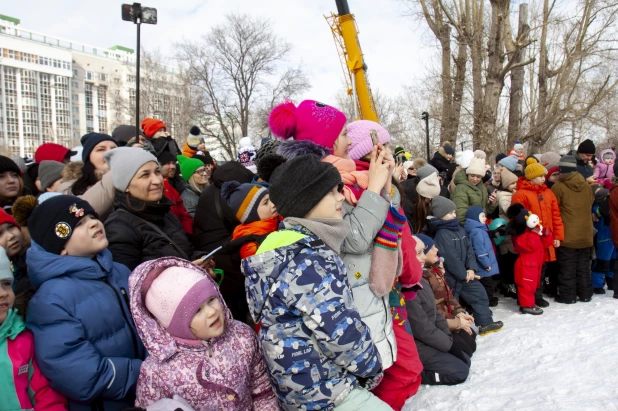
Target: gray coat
pixel 366 219
pixel 429 328
pixel 190 198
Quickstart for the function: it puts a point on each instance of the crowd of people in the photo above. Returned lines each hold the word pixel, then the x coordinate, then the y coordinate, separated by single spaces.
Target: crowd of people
pixel 325 270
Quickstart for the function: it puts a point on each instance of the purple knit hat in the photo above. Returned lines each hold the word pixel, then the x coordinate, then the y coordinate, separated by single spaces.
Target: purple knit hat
pixel 359 132
pixel 311 120
pixel 175 296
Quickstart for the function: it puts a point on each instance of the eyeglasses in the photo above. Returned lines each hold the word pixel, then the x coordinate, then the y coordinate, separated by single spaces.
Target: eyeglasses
pixel 201 172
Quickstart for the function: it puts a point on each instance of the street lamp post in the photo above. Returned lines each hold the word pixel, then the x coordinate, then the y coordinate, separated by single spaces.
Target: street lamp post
pixel 138 15
pixel 425 116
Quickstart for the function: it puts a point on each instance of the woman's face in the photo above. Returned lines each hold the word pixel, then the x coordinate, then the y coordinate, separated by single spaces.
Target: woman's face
pixel 420 252
pixel 474 179
pixel 11 239
pixel 512 187
pixel 342 144
pixel 9 184
pixel 147 183
pixel 96 156
pixel 200 177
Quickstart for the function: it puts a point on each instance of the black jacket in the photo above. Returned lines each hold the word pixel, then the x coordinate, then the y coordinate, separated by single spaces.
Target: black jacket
pixel 429 328
pixel 132 240
pixel 213 226
pixel 443 165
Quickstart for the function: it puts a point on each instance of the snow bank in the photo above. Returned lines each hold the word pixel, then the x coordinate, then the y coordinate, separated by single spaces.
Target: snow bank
pixel 565 359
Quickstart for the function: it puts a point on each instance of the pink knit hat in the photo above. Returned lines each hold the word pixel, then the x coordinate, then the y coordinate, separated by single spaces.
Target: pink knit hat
pixel 359 133
pixel 311 120
pixel 175 296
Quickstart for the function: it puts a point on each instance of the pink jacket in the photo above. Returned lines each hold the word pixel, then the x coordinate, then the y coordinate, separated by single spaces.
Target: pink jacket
pixel 225 373
pixel 604 171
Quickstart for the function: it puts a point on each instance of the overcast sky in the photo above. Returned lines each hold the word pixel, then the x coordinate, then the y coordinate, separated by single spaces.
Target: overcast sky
pixel 397 49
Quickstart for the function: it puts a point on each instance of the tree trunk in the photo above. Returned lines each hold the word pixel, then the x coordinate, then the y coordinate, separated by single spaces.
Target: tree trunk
pixel 444 36
pixel 517 80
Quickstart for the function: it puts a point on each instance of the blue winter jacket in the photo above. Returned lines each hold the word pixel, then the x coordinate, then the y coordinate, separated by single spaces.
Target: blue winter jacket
pixel 454 245
pixel 604 244
pixel 484 251
pixel 315 345
pixel 85 341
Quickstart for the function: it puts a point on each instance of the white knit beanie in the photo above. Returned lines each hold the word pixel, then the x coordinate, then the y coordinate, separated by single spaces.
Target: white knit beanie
pixel 465 158
pixel 429 187
pixel 124 162
pixel 477 166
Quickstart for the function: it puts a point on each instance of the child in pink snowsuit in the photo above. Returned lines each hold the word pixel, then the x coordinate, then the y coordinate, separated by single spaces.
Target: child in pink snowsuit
pixel 197 351
pixel 604 170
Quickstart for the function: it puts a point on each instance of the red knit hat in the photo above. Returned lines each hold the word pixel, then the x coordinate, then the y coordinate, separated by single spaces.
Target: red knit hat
pixel 151 125
pixel 7 218
pixel 50 151
pixel 551 171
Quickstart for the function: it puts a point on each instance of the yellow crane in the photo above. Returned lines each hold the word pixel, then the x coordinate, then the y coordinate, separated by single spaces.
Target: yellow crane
pixel 345 32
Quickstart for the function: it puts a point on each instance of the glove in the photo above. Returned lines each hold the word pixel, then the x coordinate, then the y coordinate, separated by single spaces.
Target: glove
pixel 170 404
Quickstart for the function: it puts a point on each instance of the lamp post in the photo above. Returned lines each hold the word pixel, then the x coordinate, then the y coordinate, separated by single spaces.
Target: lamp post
pixel 138 15
pixel 425 116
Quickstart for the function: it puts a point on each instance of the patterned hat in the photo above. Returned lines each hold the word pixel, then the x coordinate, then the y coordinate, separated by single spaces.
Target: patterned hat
pixel 243 199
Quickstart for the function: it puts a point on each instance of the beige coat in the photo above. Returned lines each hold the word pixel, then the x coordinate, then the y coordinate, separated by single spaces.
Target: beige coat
pixel 100 196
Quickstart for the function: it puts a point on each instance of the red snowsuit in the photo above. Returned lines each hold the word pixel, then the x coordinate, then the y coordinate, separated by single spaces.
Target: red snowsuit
pixel 531 248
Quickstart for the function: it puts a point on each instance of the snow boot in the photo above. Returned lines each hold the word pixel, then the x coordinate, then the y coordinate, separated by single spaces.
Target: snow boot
pixel 540 302
pixel 493 302
pixel 531 310
pixel 491 328
pixel 585 299
pixel 599 291
pixel 564 300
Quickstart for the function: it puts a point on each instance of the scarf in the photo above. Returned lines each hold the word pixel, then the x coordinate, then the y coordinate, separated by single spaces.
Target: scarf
pixel 261 227
pixel 355 181
pixel 333 231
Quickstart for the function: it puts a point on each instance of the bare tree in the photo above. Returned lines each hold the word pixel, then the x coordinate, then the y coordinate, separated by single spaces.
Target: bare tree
pixel 230 69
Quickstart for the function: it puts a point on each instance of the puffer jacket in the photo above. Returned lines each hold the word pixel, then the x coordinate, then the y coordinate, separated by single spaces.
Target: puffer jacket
pixel 317 348
pixel 23 385
pixel 483 249
pixel 454 245
pixel 505 199
pixel 85 341
pixel 575 199
pixel 366 219
pixel 604 171
pixel 100 196
pixel 190 199
pixel 441 164
pixel 466 195
pixel 429 328
pixel 224 373
pixel 133 239
pixel 585 169
pixel 541 201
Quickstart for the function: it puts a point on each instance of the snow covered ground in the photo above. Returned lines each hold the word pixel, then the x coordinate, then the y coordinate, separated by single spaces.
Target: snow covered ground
pixel 565 359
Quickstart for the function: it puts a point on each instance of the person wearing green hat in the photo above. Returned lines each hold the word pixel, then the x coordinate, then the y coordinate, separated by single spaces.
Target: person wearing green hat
pixel 194 172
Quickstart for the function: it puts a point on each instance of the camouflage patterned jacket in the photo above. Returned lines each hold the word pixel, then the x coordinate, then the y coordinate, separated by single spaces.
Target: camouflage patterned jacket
pixel 316 347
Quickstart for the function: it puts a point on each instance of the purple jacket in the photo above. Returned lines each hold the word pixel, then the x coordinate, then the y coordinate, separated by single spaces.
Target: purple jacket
pixel 604 171
pixel 225 373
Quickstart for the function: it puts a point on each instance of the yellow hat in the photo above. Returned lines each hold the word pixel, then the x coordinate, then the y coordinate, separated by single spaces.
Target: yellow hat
pixel 534 169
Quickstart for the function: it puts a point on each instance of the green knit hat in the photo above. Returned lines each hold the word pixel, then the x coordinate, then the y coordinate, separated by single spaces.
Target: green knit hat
pixel 188 166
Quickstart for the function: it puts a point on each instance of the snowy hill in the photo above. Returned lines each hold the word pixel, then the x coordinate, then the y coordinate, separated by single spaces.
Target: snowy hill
pixel 565 359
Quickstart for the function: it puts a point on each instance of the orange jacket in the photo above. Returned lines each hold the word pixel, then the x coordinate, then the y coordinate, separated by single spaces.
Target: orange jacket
pixel 541 201
pixel 187 151
pixel 258 228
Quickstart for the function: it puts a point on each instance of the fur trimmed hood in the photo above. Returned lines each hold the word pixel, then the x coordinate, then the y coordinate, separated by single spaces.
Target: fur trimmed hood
pixel 72 171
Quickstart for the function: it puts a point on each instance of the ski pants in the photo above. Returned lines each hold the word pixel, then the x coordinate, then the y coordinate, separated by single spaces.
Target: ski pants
pixel 574 279
pixel 603 271
pixel 444 368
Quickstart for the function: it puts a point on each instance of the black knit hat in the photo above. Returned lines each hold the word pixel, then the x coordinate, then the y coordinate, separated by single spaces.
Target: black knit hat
pixel 89 142
pixel 268 147
pixel 586 147
pixel 166 157
pixel 300 184
pixel 567 164
pixel 53 221
pixel 122 134
pixel 500 157
pixel 205 158
pixel 448 149
pixel 6 164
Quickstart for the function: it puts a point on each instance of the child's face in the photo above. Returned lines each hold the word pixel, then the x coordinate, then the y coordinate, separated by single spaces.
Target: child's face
pixel 7 298
pixel 474 178
pixel 537 181
pixel 432 256
pixel 608 160
pixel 520 152
pixel 420 253
pixel 209 321
pixel 482 218
pixel 450 216
pixel 266 209
pixel 11 239
pixel 342 144
pixel 331 206
pixel 87 240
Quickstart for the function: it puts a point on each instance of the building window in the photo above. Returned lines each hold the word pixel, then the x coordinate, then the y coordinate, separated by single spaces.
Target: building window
pixel 89 75
pixel 102 77
pixel 74 72
pixel 130 78
pixel 75 84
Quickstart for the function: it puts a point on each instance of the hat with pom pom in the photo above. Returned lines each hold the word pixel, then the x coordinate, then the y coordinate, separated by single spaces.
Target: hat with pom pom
pixel 243 199
pixel 311 120
pixel 518 146
pixel 534 169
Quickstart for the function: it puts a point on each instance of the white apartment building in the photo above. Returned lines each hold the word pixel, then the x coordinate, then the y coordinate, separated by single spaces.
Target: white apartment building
pixel 56 90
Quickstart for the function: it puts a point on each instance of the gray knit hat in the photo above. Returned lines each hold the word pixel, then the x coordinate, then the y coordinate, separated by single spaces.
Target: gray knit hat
pixel 5 266
pixel 567 164
pixel 300 184
pixel 124 162
pixel 425 171
pixel 49 172
pixel 441 206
